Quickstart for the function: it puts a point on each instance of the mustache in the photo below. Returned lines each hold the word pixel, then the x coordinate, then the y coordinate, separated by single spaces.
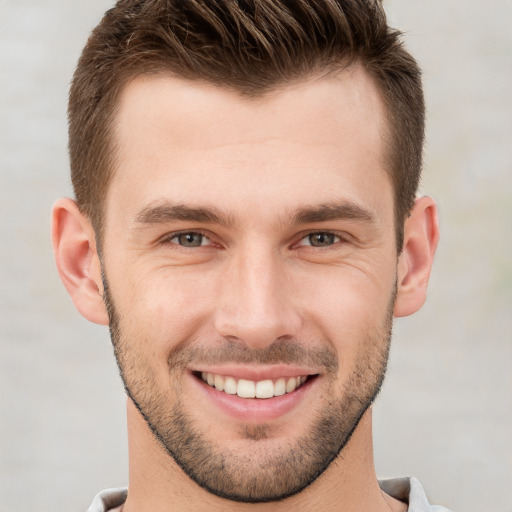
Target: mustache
pixel 278 352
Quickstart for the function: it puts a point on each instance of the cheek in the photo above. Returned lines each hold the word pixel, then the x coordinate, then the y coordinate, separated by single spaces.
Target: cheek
pixel 347 296
pixel 164 307
pixel 350 311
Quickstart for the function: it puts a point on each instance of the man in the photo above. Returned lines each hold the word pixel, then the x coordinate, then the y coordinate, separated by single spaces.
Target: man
pixel 246 223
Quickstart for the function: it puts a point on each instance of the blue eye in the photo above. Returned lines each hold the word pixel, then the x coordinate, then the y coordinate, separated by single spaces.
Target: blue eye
pixel 190 239
pixel 321 239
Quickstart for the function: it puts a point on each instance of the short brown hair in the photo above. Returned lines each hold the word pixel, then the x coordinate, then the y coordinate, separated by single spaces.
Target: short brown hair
pixel 251 46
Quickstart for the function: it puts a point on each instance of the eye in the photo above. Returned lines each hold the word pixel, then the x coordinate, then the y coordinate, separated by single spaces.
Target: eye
pixel 320 239
pixel 189 239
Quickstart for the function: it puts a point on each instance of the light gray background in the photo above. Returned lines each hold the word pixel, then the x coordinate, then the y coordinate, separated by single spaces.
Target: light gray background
pixel 445 414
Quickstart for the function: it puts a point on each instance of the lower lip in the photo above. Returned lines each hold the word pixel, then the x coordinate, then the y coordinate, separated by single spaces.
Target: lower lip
pixel 255 409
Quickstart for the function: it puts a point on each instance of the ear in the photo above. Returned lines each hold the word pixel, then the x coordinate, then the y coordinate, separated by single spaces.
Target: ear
pixel 421 235
pixel 78 263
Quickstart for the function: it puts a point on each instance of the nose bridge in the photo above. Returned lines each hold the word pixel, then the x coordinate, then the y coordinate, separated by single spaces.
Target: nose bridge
pixel 255 306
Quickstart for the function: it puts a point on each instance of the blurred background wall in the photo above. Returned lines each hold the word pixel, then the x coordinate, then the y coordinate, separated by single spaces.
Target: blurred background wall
pixel 445 414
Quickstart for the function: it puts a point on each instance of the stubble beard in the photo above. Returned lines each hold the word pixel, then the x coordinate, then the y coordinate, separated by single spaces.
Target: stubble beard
pixel 263 472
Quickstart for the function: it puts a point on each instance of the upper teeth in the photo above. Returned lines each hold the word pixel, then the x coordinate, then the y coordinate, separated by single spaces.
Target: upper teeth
pixel 253 389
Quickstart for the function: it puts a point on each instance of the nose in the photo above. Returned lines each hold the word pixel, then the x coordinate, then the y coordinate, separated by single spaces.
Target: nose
pixel 256 302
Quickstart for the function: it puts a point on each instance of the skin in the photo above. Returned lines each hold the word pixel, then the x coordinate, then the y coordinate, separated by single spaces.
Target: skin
pixel 270 169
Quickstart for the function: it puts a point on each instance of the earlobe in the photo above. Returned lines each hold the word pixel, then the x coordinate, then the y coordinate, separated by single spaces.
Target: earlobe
pixel 77 260
pixel 421 235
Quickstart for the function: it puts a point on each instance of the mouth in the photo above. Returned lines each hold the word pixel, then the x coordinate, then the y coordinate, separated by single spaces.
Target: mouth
pixel 253 394
pixel 262 389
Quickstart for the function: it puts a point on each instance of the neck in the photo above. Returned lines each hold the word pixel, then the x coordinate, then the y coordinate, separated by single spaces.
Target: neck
pixel 158 484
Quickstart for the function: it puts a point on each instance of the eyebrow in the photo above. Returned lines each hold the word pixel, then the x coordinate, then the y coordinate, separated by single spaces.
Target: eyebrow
pixel 344 210
pixel 168 212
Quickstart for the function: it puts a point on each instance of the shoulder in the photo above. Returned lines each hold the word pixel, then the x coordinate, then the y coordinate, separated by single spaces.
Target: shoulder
pixel 108 500
pixel 410 491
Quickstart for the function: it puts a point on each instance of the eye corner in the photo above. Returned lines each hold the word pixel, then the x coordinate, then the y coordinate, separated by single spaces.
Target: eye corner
pixel 320 239
pixel 186 239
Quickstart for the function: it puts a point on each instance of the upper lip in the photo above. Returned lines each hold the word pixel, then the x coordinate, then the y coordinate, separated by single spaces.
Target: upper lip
pixel 255 373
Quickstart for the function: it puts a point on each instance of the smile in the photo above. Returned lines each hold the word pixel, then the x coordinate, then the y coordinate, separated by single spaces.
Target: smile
pixel 254 389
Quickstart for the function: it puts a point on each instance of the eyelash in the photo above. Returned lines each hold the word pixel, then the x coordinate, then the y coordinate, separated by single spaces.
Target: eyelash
pixel 168 240
pixel 338 238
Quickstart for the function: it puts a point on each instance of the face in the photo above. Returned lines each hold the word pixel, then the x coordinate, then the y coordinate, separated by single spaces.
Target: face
pixel 249 266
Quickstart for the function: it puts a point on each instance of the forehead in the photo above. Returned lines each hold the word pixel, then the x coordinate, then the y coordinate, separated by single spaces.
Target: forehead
pixel 193 142
pixel 350 93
